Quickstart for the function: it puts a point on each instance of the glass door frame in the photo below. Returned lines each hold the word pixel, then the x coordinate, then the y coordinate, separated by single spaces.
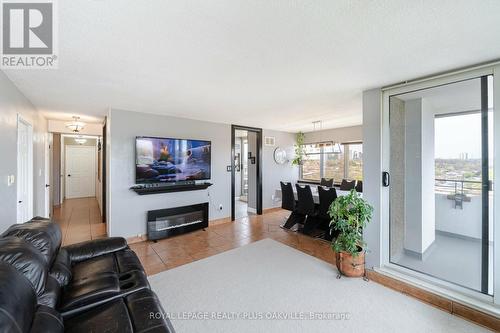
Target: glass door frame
pixel 438 286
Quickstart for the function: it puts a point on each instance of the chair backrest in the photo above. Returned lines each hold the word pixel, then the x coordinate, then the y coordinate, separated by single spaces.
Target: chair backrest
pixel 347 185
pixel 287 196
pixel 359 186
pixel 305 202
pixel 326 182
pixel 27 259
pixel 326 197
pixel 41 233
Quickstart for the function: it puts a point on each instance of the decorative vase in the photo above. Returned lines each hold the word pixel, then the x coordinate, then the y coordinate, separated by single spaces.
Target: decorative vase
pixel 349 265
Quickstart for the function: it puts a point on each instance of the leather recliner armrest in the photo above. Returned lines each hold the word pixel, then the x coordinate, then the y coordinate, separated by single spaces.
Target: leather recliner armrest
pixel 94 248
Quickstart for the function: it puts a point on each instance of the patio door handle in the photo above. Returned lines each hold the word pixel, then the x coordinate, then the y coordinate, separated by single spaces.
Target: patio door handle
pixel 386 179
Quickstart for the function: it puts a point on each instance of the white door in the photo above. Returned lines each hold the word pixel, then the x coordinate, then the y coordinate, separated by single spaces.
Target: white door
pixel 80 171
pixel 24 171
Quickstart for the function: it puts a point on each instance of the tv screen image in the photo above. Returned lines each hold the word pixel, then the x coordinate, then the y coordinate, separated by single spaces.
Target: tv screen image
pixel 171 160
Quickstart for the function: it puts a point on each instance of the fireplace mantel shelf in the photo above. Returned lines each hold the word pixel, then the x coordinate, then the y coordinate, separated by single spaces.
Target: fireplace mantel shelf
pixel 145 190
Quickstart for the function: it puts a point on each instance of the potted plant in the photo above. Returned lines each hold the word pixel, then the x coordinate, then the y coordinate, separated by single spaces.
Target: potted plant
pixel 350 214
pixel 299 149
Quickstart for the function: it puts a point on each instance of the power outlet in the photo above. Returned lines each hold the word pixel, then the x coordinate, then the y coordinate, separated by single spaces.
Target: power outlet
pixel 220 207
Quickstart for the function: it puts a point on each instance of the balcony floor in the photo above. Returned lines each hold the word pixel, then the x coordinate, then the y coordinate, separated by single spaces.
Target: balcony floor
pixel 453 259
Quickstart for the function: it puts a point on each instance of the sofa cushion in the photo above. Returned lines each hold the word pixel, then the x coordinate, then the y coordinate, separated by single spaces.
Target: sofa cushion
pixel 147 313
pixel 61 269
pixel 110 317
pixel 51 293
pixel 91 267
pixel 42 234
pixel 134 313
pixel 88 293
pixel 17 300
pixel 26 259
pixel 47 320
pixel 117 262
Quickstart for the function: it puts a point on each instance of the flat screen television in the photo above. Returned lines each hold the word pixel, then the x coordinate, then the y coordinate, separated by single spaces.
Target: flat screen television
pixel 161 160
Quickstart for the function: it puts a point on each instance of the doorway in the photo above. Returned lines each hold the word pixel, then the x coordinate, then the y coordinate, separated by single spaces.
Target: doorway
pixel 246 171
pixel 24 170
pixel 438 147
pixel 80 167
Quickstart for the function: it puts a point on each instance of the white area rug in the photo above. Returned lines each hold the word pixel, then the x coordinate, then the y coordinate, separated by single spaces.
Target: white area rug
pixel 252 289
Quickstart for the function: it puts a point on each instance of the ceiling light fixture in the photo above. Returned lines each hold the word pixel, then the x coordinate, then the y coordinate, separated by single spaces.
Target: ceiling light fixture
pixel 328 146
pixel 76 125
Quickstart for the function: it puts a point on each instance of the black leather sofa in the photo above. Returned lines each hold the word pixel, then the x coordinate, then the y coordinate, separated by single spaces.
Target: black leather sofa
pixel 94 286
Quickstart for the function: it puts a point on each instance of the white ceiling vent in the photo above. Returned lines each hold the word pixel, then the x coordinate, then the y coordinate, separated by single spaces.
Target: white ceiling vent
pixel 269 140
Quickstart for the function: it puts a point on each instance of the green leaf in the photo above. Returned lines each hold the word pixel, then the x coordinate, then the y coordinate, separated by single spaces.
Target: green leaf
pixel 349 215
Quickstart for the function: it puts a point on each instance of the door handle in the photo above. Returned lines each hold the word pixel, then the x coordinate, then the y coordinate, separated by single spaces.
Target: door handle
pixel 20 201
pixel 69 175
pixel 386 179
pixel 47 185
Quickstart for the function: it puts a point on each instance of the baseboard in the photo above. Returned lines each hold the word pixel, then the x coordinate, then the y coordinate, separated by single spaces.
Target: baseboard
pixel 137 239
pixel 219 221
pixel 271 210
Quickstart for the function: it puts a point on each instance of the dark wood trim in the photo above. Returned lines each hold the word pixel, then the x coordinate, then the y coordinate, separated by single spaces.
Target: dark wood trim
pixel 258 131
pixel 104 150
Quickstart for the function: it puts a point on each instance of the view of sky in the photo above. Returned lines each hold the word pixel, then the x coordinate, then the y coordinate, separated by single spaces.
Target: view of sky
pixel 456 135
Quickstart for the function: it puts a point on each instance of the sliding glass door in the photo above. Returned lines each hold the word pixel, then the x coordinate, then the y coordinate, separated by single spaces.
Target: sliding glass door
pixel 441 194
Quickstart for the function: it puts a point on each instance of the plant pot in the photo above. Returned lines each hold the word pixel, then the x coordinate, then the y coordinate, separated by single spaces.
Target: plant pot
pixel 349 265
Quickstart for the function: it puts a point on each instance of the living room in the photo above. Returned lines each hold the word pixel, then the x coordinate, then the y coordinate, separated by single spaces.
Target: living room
pixel 241 166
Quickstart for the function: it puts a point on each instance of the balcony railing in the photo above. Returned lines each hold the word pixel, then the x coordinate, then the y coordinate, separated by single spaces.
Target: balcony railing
pixel 459 191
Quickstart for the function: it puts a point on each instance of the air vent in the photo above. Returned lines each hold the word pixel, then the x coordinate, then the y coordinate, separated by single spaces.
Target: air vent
pixel 269 140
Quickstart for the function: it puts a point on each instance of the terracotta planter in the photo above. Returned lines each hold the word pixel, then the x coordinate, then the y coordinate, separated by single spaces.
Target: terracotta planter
pixel 351 266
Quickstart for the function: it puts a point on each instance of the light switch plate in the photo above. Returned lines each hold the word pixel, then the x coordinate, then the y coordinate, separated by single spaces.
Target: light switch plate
pixel 11 179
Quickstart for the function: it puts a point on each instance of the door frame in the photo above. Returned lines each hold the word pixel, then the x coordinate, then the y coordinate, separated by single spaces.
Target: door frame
pixel 49 137
pixel 66 166
pixel 467 296
pixel 30 162
pixel 257 131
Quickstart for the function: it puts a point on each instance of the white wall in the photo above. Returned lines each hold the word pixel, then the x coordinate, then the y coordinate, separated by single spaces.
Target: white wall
pixel 127 210
pixel 12 103
pixel 464 222
pixel 340 135
pixel 372 172
pixel 273 173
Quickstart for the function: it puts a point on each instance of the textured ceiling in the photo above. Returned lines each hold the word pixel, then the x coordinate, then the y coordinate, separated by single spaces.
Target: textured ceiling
pixel 276 64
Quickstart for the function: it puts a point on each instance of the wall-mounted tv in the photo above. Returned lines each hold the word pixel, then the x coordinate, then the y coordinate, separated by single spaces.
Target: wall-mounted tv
pixel 171 160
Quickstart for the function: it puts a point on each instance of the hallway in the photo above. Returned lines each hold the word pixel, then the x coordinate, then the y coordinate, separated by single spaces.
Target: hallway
pixel 80 220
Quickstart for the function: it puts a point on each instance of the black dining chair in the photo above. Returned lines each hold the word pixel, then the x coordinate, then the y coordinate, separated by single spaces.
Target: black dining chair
pixel 288 203
pixel 287 197
pixel 347 185
pixel 326 182
pixel 305 203
pixel 326 197
pixel 359 186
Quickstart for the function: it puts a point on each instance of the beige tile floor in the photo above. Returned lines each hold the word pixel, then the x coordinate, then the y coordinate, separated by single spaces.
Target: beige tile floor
pixel 80 220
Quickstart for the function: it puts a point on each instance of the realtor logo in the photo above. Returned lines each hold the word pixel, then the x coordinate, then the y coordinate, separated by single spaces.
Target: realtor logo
pixel 28 34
